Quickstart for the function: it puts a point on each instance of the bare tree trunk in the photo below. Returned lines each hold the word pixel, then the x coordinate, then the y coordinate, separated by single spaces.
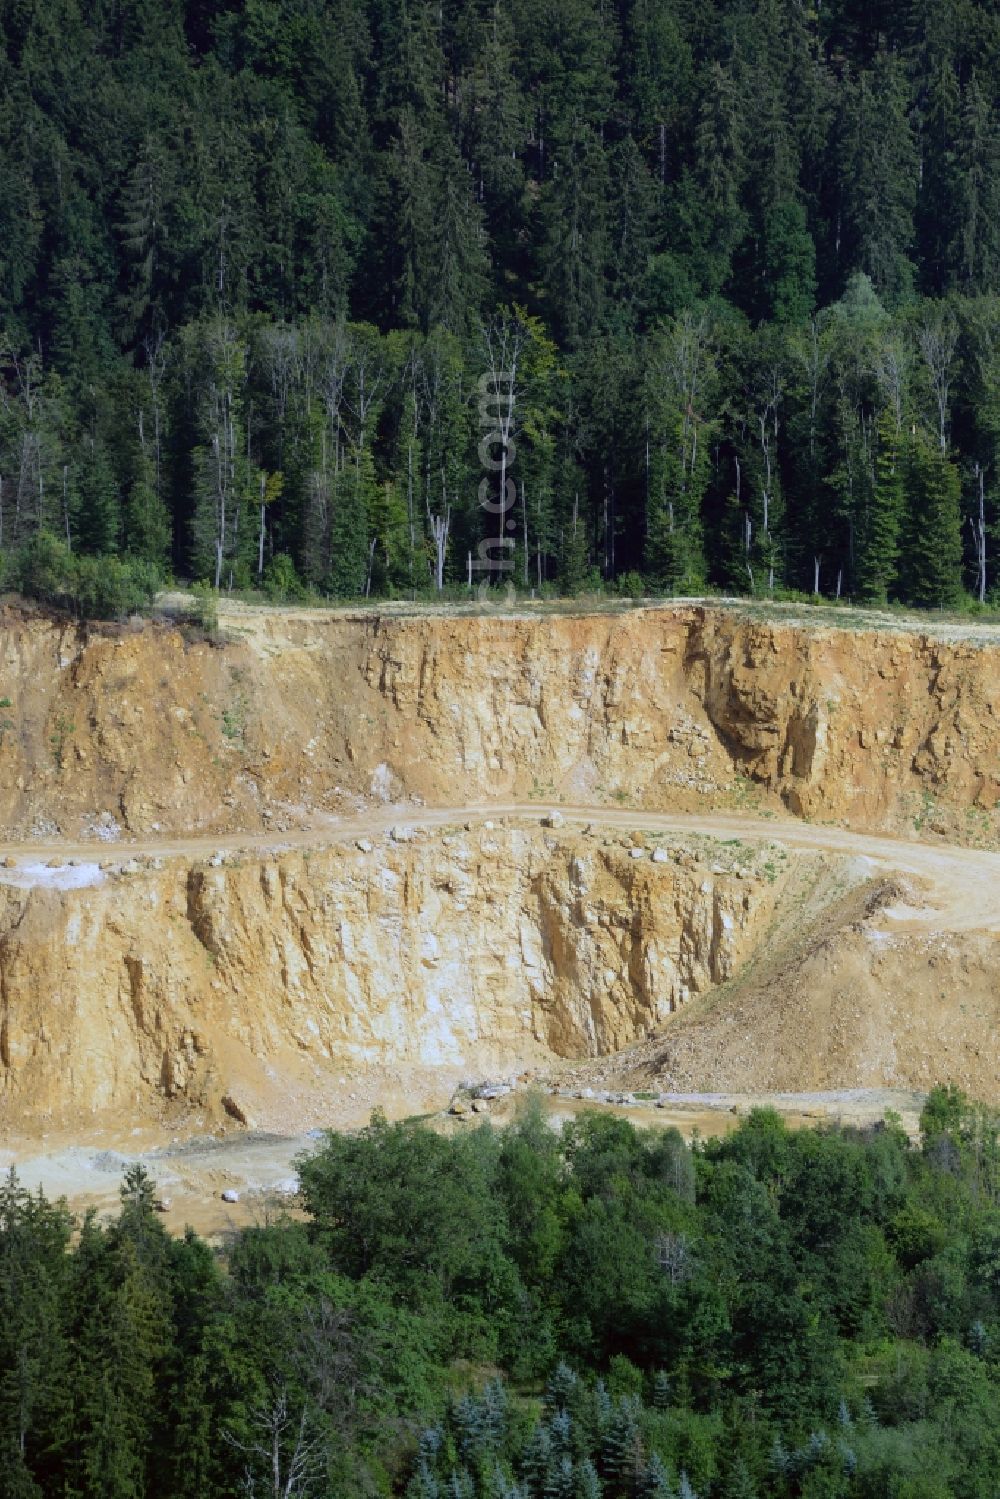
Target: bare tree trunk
pixel 371 564
pixel 766 450
pixel 612 493
pixel 65 500
pixel 502 343
pixel 607 551
pixel 409 507
pixel 979 533
pixel 938 344
pixel 645 518
pixel 440 526
pixel 220 529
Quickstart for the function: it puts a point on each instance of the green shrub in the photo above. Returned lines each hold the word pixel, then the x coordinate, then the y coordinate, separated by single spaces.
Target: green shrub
pixel 282 583
pixel 112 587
pixel 46 570
pixel 631 586
pixel 204 610
pixel 94 587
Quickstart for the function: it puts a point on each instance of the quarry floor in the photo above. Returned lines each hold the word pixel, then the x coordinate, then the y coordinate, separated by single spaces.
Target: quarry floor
pixel 260 1168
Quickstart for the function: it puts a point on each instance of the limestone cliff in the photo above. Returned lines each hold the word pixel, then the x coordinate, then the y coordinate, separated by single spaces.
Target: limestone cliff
pixel 106 732
pixel 194 982
pixel 243 979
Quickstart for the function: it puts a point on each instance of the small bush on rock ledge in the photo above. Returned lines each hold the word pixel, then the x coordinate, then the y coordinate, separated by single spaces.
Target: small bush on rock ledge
pixel 92 587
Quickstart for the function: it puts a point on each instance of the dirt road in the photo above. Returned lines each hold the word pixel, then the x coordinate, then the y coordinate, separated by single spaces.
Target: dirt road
pixel 240 618
pixel 959 887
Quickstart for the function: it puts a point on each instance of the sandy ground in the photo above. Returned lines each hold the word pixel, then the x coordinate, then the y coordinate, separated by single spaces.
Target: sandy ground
pixel 240 618
pixel 191 1174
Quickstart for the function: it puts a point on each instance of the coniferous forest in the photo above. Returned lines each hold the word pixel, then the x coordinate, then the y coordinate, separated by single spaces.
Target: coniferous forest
pixel 736 262
pixel 604 1313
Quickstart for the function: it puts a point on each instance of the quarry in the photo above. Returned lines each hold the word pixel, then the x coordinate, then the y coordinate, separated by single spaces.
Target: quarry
pixel 675 857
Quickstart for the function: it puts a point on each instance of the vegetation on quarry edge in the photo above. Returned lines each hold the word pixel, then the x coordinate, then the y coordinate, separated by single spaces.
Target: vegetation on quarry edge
pixel 602 1311
pixel 46 572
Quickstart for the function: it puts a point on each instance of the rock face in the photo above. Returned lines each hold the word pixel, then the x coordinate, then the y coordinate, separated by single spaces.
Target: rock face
pixel 185 984
pixel 139 731
pixel 198 982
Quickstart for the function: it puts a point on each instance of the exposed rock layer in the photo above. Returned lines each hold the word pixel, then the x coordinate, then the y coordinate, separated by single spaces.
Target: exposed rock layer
pixel 483 949
pixel 139 731
pixel 222 986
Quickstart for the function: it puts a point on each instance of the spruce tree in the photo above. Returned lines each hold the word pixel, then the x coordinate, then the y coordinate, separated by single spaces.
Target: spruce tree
pixel 879 174
pixel 146 520
pixel 978 206
pixel 121 1344
pixel 631 231
pixel 940 220
pixel 575 246
pixel 34 1353
pixel 655 1483
pixel 622 1460
pixel 495 129
pixel 588 1485
pixel 424 1483
pixel 789 263
pixel 536 1462
pixel 467 1418
pixel 561 1479
pixel 560 1388
pixel 457 285
pixel 878 541
pixel 738 1482
pixel 95 505
pixel 720 172
pixel 354 496
pixel 931 560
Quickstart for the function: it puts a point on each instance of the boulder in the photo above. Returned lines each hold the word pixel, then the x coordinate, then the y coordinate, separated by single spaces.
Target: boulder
pixel 235 1110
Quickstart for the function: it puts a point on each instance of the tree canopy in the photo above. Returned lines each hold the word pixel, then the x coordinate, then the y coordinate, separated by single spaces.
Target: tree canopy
pixel 595 1313
pixel 253 256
